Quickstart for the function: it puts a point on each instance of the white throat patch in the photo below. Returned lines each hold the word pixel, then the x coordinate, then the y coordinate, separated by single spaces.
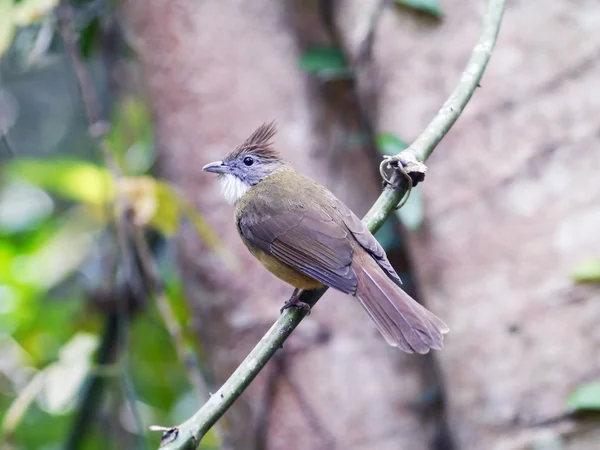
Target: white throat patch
pixel 233 188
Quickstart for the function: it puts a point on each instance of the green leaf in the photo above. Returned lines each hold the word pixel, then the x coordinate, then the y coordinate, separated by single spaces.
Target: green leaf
pixel 202 227
pixel 207 233
pixel 23 206
pixel 156 204
pixel 64 377
pixel 389 144
pixel 153 202
pixel 413 212
pixel 7 27
pixel 155 369
pixel 328 62
pixel 57 385
pixel 166 218
pixel 63 252
pixel 587 271
pixel 431 7
pixel 89 37
pixel 27 12
pixel 586 398
pixel 20 13
pixel 130 138
pixel 74 179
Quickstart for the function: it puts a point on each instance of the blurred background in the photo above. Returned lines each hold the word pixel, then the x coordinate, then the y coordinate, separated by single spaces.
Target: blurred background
pixel 126 295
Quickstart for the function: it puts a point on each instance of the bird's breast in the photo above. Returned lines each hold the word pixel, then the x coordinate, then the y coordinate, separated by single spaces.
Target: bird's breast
pixel 283 271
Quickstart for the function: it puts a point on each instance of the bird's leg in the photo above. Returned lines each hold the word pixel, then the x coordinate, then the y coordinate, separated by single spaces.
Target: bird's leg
pixel 294 302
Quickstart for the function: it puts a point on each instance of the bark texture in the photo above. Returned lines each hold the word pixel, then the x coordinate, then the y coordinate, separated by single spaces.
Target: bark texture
pixel 215 71
pixel 511 206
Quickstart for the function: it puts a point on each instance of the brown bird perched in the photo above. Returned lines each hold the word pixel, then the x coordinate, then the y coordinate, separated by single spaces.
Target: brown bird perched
pixel 308 238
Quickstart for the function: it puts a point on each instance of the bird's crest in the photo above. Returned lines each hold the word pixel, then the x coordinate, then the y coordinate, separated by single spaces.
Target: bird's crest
pixel 259 144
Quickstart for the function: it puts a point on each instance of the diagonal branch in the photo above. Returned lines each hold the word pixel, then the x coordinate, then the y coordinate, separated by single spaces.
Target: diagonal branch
pixel 189 434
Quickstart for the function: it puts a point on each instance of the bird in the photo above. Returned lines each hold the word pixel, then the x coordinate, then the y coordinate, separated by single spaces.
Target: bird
pixel 308 238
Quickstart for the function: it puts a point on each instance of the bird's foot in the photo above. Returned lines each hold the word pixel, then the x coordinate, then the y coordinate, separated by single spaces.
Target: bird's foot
pixel 295 302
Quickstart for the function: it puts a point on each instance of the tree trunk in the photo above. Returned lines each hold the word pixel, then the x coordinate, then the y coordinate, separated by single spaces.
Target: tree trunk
pixel 511 206
pixel 215 71
pixel 511 203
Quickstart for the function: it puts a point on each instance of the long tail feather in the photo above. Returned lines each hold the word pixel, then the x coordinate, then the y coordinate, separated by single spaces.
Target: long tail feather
pixel 402 321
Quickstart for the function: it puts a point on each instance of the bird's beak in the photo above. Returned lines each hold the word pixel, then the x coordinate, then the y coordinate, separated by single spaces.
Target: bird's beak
pixel 216 167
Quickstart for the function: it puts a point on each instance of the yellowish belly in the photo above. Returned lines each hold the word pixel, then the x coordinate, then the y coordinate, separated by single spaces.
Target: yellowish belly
pixel 285 272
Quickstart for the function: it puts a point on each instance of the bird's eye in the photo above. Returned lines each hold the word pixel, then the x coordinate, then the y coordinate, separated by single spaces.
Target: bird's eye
pixel 248 160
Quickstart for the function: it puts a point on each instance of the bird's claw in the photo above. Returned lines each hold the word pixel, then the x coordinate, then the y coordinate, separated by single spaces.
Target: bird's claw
pixel 294 302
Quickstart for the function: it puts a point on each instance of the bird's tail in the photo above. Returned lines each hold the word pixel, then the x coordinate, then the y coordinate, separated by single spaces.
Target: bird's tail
pixel 402 321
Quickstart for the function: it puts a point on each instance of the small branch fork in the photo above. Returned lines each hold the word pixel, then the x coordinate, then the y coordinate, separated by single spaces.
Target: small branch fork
pixel 409 163
pixel 405 164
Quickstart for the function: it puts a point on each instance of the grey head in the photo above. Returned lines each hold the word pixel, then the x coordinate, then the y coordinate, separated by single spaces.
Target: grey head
pixel 248 164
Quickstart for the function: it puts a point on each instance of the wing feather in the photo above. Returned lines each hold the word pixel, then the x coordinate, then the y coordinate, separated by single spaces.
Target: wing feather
pixel 310 242
pixel 367 241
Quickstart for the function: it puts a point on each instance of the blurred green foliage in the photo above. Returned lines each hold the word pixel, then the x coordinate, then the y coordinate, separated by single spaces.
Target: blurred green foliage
pixel 58 249
pixel 57 244
pixel 326 62
pixel 389 144
pixel 75 179
pixel 130 138
pixel 587 271
pixel 14 14
pixel 43 311
pixel 585 398
pixel 431 7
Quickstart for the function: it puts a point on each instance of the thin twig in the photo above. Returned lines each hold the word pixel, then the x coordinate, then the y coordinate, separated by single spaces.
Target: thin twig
pixel 128 264
pixel 186 355
pixel 4 140
pixel 365 48
pixel 189 434
pixel 97 128
pixel 156 288
pixel 94 385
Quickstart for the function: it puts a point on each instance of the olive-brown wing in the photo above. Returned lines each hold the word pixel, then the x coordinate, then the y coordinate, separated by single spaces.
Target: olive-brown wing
pixel 309 241
pixel 367 241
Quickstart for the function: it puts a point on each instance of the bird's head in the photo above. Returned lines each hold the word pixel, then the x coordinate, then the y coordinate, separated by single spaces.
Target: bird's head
pixel 248 164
